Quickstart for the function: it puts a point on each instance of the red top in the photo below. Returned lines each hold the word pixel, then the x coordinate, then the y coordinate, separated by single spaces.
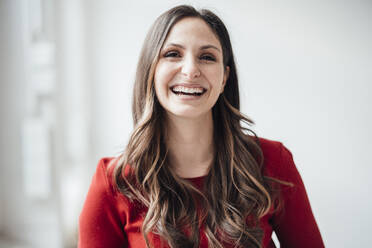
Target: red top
pixel 108 219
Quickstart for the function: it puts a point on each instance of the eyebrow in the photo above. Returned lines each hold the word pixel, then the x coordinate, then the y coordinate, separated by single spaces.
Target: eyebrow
pixel 201 48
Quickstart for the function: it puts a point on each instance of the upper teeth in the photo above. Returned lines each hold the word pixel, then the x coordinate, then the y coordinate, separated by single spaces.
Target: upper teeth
pixel 188 89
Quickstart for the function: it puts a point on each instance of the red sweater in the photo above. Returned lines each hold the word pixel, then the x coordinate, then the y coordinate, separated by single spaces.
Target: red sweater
pixel 109 220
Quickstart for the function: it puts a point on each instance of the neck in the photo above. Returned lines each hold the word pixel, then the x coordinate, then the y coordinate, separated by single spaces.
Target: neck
pixel 190 144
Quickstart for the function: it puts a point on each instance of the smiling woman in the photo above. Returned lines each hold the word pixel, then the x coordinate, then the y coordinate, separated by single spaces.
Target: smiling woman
pixel 191 174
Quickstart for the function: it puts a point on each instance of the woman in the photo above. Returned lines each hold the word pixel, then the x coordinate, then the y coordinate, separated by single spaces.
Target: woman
pixel 191 175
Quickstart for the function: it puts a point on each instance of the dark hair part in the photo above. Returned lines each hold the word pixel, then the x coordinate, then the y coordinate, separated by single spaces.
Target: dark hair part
pixel 235 190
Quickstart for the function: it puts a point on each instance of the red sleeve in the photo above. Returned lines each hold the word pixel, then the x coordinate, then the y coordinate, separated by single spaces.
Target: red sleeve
pixel 100 224
pixel 295 224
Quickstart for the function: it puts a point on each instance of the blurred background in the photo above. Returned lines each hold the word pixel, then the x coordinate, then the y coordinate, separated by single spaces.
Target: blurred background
pixel 66 75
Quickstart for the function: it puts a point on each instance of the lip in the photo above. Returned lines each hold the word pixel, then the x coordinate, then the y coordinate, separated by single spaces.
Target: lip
pixel 188 97
pixel 188 85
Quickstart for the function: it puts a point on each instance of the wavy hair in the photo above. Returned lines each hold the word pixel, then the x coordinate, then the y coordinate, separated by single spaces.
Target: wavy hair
pixel 235 193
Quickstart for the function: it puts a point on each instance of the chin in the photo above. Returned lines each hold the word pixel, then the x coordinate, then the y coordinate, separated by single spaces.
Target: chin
pixel 189 113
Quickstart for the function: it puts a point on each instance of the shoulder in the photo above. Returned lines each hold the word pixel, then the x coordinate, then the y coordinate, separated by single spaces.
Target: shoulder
pixel 104 212
pixel 278 160
pixel 104 171
pixel 103 196
pixel 103 179
pixel 270 148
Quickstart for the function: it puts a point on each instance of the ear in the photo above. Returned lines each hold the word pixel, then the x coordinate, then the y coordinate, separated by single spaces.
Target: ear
pixel 225 77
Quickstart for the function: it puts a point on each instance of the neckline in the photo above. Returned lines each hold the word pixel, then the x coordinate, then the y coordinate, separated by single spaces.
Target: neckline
pixel 197 181
pixel 194 178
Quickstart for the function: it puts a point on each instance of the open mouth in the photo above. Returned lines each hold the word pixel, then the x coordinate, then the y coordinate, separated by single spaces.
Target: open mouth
pixel 188 91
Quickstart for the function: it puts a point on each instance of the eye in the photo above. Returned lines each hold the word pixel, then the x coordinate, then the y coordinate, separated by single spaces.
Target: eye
pixel 172 54
pixel 208 57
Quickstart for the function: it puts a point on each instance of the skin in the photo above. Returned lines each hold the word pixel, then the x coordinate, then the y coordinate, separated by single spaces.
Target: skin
pixel 192 57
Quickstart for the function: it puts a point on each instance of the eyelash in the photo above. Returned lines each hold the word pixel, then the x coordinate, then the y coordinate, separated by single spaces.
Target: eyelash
pixel 208 57
pixel 175 54
pixel 171 54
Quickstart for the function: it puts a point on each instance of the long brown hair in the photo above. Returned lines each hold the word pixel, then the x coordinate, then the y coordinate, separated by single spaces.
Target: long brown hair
pixel 234 189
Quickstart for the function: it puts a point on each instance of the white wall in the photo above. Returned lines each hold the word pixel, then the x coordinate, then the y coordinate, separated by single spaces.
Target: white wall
pixel 305 73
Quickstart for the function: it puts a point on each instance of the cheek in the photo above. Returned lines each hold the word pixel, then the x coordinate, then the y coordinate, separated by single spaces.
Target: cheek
pixel 164 74
pixel 162 78
pixel 215 76
pixel 158 80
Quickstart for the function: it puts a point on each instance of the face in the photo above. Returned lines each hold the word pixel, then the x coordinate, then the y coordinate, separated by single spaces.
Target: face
pixel 190 75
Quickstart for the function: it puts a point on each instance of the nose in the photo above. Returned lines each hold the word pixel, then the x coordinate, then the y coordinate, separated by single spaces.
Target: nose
pixel 190 68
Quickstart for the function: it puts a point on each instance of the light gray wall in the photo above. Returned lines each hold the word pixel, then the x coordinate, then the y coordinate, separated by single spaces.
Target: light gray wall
pixel 4 22
pixel 11 94
pixel 32 222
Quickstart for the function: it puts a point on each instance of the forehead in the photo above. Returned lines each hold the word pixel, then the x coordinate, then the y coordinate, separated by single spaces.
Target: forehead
pixel 192 30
